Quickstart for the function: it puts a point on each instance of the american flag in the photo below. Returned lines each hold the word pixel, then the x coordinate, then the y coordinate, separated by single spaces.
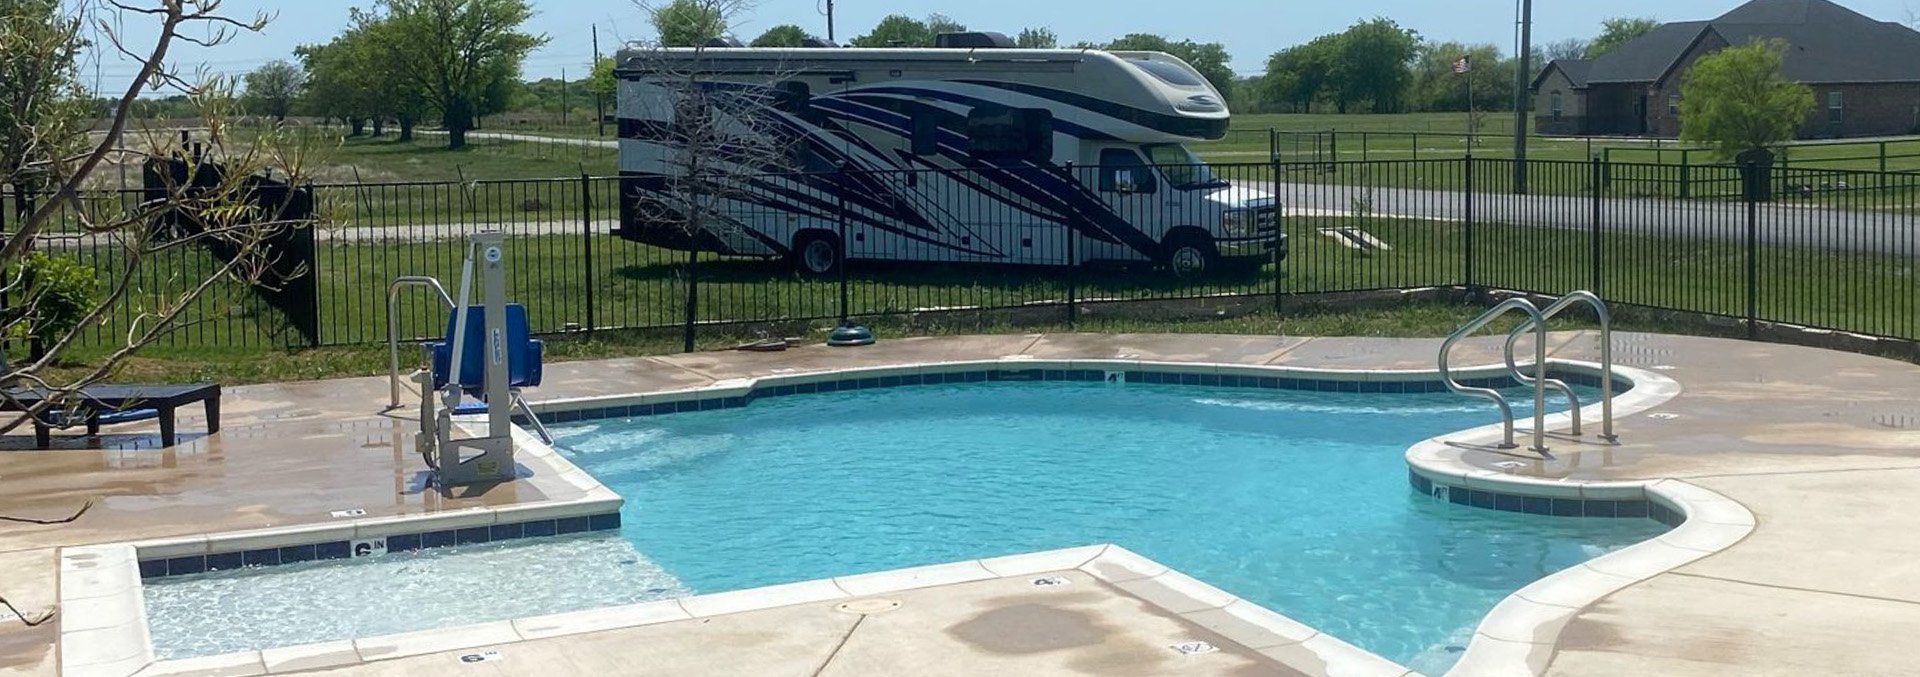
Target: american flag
pixel 1464 65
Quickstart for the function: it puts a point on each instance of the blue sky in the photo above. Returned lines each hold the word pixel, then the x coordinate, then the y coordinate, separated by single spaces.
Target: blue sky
pixel 1251 29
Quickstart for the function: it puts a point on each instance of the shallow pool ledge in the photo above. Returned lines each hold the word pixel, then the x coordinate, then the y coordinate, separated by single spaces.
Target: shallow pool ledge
pixel 1212 619
pixel 1518 636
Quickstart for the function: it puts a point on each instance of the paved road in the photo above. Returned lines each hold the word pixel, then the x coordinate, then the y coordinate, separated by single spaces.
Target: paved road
pixel 1781 223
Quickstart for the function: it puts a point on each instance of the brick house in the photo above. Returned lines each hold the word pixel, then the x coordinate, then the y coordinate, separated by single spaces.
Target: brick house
pixel 1865 74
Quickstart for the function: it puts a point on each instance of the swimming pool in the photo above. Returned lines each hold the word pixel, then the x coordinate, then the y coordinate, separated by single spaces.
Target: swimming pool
pixel 1295 500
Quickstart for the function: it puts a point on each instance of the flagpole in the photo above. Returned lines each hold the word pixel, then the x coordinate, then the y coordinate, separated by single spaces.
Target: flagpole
pixel 1473 122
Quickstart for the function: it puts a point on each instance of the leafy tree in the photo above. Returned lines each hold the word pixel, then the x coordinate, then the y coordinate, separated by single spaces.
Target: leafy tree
pixel 45 116
pixel 462 55
pixel 274 87
pixel 1736 99
pixel 1209 58
pixel 1436 87
pixel 896 30
pixel 785 35
pixel 1037 38
pixel 1619 31
pixel 688 23
pixel 941 23
pixel 1374 65
pixel 1298 76
pixel 601 82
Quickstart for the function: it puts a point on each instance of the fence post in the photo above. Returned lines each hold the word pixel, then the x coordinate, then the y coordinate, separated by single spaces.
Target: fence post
pixel 1594 180
pixel 1273 144
pixel 1279 232
pixel 1466 233
pixel 1881 182
pixel 1073 260
pixel 840 214
pixel 586 233
pixel 1416 145
pixel 1686 176
pixel 1753 263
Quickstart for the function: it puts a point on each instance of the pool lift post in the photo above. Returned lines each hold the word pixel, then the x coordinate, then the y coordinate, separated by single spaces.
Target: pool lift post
pixel 488 458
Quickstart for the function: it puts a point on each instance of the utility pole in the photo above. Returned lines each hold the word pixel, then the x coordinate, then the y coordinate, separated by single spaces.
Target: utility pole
pixel 563 96
pixel 830 21
pixel 599 98
pixel 1522 79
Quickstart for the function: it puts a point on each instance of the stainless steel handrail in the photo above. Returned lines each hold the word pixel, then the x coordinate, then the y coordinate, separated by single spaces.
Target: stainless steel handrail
pixel 1539 365
pixel 393 326
pixel 1606 357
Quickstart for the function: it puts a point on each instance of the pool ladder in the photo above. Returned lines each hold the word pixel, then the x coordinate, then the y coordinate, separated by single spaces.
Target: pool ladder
pixel 1536 323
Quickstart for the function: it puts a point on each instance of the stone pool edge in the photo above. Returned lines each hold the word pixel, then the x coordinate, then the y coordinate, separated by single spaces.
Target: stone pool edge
pixel 1519 635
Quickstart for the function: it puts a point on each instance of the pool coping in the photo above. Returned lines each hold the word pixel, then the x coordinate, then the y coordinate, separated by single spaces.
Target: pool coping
pixel 1495 649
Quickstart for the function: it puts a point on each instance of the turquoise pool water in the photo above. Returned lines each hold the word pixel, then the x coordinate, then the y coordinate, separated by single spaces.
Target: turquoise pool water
pixel 1296 500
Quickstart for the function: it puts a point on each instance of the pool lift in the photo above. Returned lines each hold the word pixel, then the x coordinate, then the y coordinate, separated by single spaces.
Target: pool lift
pixel 488 358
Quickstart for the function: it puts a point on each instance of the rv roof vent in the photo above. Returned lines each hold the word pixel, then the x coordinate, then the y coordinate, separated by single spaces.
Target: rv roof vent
pixel 973 40
pixel 811 42
pixel 723 41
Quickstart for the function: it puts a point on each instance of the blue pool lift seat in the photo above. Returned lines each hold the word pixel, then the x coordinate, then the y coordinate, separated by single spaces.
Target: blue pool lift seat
pixel 524 353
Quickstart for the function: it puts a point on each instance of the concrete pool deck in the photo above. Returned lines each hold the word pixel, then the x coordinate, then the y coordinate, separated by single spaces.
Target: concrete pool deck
pixel 1823 447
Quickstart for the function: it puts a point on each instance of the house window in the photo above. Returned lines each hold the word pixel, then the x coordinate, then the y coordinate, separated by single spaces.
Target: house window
pixel 997 133
pixel 1836 108
pixel 1122 171
pixel 1673 104
pixel 1556 108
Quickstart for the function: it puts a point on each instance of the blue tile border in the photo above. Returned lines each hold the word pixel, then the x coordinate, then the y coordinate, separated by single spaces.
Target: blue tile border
pixel 331 550
pixel 1540 505
pixel 1014 373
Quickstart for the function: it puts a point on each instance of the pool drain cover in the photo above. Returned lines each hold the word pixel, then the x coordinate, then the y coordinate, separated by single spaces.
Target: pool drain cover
pixel 868 607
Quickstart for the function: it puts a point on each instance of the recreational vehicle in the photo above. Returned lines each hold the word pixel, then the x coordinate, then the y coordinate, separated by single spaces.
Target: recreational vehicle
pixel 972 152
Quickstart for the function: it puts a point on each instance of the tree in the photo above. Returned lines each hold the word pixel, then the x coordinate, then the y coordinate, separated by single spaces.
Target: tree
pixel 120 238
pixel 784 35
pixel 1619 31
pixel 1436 87
pixel 1036 38
pixel 1211 58
pixel 941 23
pixel 461 55
pixel 1298 76
pixel 687 23
pixel 710 147
pixel 274 87
pixel 1375 64
pixel 44 119
pixel 1736 99
pixel 896 30
pixel 1570 49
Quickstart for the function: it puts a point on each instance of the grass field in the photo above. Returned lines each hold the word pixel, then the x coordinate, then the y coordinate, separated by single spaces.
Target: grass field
pixel 626 285
pixel 426 158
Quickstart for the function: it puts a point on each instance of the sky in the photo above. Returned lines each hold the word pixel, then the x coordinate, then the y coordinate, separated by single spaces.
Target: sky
pixel 1250 29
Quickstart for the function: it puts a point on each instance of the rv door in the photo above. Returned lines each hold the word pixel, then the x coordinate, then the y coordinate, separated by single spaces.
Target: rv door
pixel 1131 188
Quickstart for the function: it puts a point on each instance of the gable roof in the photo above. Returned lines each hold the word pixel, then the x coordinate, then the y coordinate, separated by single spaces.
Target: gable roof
pixel 1826 43
pixel 1576 71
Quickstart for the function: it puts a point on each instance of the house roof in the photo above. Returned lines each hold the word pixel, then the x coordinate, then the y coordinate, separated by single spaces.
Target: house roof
pixel 1576 71
pixel 1826 43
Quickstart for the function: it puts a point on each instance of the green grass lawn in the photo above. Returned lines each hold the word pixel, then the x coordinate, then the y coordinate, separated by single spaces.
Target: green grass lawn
pixel 426 158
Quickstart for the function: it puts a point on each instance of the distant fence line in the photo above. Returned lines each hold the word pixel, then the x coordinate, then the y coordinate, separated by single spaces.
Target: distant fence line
pixel 1836 250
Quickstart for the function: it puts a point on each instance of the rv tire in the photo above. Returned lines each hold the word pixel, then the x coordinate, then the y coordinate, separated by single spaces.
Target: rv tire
pixel 816 253
pixel 1191 255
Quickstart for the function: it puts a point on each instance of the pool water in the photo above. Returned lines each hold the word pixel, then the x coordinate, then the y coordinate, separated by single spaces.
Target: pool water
pixel 1295 500
pixel 1298 501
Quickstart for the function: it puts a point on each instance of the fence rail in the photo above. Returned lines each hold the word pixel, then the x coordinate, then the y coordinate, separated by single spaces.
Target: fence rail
pixel 1836 249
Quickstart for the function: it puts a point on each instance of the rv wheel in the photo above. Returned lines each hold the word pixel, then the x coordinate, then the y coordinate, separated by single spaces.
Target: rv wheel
pixel 817 253
pixel 1191 256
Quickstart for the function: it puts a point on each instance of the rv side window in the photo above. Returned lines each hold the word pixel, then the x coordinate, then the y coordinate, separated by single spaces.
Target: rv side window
pixel 1010 134
pixel 1122 171
pixel 926 135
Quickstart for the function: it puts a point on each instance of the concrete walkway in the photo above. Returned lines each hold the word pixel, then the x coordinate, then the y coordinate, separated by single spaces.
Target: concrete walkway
pixel 1823 447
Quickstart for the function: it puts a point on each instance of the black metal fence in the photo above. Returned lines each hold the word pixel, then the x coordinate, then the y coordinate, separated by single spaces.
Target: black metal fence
pixel 1834 250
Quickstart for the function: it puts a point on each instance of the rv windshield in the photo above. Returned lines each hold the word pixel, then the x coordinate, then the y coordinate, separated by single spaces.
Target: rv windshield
pixel 1182 168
